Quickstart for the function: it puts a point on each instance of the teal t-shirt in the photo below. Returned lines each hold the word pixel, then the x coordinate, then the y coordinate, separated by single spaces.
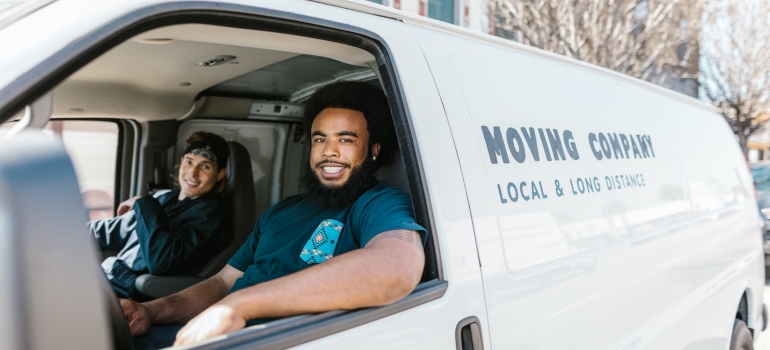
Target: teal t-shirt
pixel 294 234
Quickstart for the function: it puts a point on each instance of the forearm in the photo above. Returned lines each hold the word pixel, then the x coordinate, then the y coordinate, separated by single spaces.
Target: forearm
pixel 181 307
pixel 361 278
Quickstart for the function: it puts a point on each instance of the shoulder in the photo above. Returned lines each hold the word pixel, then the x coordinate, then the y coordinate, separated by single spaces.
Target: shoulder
pixel 381 198
pixel 383 193
pixel 381 209
pixel 164 196
pixel 208 204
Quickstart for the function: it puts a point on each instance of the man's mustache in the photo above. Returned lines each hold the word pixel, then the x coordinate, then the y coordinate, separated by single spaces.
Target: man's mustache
pixel 327 162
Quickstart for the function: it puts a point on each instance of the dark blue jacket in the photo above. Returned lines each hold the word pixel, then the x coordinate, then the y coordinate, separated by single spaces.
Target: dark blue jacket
pixel 162 236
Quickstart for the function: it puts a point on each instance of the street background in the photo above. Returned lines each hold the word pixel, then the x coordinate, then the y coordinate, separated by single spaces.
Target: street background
pixel 764 337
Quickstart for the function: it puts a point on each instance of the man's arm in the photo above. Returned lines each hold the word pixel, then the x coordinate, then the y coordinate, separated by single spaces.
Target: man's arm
pixel 180 307
pixel 168 248
pixel 384 271
pixel 113 233
pixel 126 205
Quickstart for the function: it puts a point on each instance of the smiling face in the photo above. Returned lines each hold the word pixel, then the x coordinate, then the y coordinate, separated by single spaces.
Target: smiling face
pixel 197 176
pixel 339 145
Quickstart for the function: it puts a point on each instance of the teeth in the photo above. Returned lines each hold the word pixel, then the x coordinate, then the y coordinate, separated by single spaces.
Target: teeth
pixel 332 169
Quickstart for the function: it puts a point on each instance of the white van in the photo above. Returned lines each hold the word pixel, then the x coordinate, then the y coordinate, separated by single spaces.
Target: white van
pixel 569 207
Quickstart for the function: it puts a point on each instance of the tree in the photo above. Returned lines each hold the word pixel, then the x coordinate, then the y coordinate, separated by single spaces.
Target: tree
pixel 648 39
pixel 735 63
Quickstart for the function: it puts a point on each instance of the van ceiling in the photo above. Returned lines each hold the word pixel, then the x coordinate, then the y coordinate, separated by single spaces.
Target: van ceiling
pixel 154 75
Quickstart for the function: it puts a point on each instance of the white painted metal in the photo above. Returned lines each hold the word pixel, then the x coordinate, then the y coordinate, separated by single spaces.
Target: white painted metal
pixel 652 266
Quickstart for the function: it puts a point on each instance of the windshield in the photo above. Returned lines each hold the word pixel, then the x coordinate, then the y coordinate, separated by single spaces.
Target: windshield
pixel 761 175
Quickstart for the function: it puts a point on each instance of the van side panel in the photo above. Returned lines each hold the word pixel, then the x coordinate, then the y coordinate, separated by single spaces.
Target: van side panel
pixel 723 211
pixel 580 191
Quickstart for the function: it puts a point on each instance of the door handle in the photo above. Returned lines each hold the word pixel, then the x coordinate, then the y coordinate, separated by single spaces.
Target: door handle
pixel 468 334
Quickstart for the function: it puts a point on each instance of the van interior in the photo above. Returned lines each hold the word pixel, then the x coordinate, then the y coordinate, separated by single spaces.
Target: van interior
pixel 150 85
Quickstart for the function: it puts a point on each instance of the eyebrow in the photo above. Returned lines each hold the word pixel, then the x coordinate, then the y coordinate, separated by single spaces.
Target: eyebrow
pixel 341 133
pixel 205 160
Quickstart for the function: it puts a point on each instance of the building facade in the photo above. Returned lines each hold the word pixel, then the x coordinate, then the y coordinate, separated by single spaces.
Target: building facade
pixel 471 14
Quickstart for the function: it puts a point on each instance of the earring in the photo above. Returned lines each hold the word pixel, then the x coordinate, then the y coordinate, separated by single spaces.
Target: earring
pixel 374 158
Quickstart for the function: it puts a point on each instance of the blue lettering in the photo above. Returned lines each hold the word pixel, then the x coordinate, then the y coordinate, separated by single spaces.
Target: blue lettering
pixel 626 146
pixel 495 144
pixel 556 146
pixel 517 152
pixel 545 144
pixel 515 197
pixel 571 146
pixel 616 150
pixel 592 142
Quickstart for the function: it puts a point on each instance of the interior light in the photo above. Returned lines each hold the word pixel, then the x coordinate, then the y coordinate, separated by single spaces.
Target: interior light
pixel 215 61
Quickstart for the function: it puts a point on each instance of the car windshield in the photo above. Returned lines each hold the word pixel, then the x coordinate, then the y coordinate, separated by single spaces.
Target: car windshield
pixel 761 175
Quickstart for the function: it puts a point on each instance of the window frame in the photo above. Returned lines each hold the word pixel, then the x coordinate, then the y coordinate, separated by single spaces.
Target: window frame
pixel 119 164
pixel 299 329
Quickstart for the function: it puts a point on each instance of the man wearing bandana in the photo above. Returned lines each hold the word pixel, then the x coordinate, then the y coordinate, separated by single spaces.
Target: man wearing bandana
pixel 348 242
pixel 172 232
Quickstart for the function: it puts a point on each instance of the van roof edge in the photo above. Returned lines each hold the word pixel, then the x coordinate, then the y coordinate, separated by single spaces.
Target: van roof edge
pixel 414 19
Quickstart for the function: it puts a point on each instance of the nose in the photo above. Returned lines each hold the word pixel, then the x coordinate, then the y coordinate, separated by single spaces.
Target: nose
pixel 330 150
pixel 194 171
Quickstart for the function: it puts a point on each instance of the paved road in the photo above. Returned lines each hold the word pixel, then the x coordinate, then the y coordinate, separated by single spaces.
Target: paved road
pixel 764 337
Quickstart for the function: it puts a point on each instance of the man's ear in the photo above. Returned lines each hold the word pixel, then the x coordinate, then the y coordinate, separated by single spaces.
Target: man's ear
pixel 376 150
pixel 222 173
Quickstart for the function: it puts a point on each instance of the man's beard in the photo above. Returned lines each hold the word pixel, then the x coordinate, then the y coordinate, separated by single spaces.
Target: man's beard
pixel 359 181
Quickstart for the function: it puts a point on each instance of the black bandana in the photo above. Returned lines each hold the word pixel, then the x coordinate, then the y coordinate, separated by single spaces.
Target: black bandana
pixel 203 149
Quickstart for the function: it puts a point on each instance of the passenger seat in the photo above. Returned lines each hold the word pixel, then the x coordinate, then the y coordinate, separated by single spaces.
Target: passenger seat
pixel 241 201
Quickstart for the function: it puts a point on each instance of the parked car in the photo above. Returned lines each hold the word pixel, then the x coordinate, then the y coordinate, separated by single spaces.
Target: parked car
pixel 567 206
pixel 761 173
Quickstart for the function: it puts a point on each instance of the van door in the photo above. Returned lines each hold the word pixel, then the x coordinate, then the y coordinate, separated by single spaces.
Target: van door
pixel 458 318
pixel 446 309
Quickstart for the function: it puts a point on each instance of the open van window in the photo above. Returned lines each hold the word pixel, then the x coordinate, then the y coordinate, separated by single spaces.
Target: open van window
pixel 250 86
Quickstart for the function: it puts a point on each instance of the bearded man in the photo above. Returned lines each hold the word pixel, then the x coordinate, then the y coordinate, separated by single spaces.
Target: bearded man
pixel 348 242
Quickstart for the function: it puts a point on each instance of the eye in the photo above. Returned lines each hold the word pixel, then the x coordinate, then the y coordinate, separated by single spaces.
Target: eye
pixel 319 140
pixel 206 167
pixel 346 140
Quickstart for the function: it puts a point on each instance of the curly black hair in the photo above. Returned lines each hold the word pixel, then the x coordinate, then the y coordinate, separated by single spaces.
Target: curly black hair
pixel 357 96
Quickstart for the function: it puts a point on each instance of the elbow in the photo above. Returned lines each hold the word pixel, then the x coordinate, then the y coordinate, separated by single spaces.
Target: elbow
pixel 397 290
pixel 401 284
pixel 155 271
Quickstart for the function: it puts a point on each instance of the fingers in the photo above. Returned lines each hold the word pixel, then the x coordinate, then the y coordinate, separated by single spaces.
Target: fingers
pixel 122 210
pixel 126 206
pixel 136 316
pixel 214 321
